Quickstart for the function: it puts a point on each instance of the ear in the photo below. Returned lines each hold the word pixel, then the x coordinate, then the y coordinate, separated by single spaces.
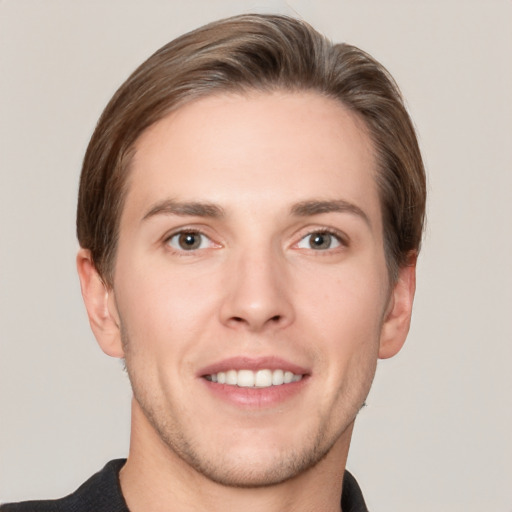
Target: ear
pixel 398 315
pixel 100 304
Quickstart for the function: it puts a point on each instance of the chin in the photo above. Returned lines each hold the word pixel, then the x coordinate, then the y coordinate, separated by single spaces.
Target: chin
pixel 253 464
pixel 255 472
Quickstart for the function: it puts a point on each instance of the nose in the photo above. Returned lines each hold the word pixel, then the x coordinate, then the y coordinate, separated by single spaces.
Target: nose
pixel 257 294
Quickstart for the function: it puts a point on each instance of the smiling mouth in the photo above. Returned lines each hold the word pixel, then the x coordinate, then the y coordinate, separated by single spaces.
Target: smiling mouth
pixel 254 379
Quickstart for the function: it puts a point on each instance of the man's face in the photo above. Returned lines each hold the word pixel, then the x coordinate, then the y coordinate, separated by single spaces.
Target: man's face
pixel 251 252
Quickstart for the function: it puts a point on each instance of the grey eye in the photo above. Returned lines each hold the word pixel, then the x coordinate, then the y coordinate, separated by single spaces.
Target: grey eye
pixel 189 241
pixel 319 241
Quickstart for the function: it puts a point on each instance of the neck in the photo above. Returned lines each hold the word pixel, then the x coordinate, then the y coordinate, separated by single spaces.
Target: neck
pixel 154 477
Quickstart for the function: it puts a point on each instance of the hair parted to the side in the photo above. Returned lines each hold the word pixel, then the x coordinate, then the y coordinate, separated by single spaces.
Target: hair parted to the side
pixel 244 53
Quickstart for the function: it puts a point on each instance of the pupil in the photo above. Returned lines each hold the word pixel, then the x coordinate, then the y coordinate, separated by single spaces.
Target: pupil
pixel 321 241
pixel 189 241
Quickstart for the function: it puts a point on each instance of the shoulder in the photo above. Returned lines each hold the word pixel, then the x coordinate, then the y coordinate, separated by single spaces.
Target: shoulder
pixel 352 498
pixel 101 493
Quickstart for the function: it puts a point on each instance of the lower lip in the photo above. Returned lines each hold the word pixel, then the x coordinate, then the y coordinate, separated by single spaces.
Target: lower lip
pixel 256 398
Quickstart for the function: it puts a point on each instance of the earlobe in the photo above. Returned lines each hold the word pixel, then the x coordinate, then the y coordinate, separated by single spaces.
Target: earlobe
pixel 398 317
pixel 100 305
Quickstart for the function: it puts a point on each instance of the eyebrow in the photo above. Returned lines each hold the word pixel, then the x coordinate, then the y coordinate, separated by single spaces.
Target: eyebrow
pixel 302 209
pixel 194 208
pixel 316 207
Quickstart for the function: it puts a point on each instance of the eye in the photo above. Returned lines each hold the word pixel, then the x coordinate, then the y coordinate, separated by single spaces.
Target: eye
pixel 189 241
pixel 320 241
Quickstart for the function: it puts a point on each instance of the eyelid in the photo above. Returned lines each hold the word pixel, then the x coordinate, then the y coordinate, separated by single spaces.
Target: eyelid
pixel 184 230
pixel 340 236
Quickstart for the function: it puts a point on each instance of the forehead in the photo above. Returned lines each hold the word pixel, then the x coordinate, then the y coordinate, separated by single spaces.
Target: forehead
pixel 273 149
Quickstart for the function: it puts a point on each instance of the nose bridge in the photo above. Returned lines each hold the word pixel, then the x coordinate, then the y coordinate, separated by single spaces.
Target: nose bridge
pixel 257 293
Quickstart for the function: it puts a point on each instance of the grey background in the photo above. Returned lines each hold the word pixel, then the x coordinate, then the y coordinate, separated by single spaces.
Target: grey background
pixel 436 434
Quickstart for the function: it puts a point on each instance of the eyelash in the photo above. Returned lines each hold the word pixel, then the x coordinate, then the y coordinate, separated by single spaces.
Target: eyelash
pixel 185 231
pixel 340 238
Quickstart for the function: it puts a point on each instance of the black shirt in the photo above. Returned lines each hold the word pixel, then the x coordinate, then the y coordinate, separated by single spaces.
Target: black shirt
pixel 102 493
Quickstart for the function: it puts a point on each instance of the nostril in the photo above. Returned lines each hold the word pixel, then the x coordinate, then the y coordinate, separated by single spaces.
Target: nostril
pixel 241 320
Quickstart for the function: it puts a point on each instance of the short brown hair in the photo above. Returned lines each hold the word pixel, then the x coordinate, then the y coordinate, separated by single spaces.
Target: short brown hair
pixel 238 54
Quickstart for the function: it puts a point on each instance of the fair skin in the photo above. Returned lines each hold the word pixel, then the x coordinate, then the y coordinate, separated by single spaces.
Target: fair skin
pixel 251 239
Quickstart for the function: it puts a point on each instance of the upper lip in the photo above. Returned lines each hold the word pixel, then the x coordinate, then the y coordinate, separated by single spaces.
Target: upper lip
pixel 252 363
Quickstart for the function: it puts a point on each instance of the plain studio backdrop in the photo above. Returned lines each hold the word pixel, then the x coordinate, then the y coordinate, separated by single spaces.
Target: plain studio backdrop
pixel 436 434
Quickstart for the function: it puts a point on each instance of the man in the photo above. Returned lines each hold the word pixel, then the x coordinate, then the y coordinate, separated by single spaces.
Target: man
pixel 250 213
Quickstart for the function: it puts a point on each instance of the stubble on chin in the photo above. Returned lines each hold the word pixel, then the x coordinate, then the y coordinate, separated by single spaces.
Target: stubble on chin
pixel 225 468
pixel 232 471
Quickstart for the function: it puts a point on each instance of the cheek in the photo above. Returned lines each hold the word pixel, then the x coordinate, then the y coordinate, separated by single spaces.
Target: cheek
pixel 164 309
pixel 350 299
pixel 344 315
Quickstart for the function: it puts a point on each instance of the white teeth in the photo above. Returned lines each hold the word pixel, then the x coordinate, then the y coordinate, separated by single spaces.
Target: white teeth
pixel 249 379
pixel 231 377
pixel 245 378
pixel 263 379
pixel 277 377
